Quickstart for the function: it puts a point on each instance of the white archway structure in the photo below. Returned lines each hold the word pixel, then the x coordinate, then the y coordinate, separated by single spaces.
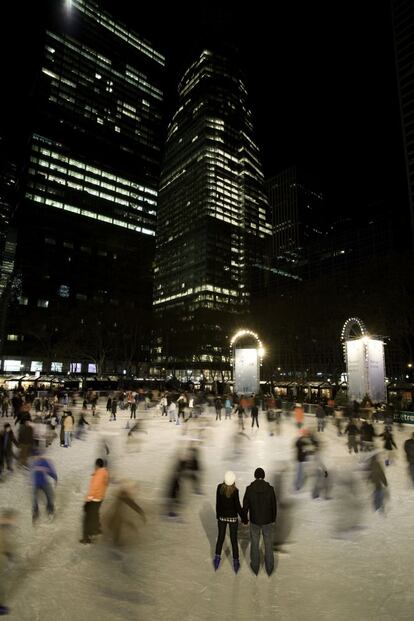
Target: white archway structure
pixel 365 361
pixel 246 362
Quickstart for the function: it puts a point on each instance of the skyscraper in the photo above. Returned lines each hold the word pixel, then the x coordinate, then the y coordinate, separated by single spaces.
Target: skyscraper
pixel 212 218
pixel 87 217
pixel 403 24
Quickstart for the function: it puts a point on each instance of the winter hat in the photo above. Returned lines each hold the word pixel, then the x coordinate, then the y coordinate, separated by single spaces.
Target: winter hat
pixel 229 478
pixel 259 473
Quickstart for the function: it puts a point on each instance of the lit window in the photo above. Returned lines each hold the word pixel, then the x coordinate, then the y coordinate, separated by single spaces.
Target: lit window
pixel 75 367
pixel 91 368
pixel 36 366
pixel 12 365
pixel 57 367
pixel 42 303
pixel 81 296
pixel 23 301
pixel 12 337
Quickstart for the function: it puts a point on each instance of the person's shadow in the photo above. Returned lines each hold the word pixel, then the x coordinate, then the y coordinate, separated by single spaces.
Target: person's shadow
pixel 209 522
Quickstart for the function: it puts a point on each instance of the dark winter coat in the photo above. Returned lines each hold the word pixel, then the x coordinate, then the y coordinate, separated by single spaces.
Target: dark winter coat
pixel 26 434
pixel 6 441
pixel 367 432
pixel 228 507
pixel 260 503
pixel 303 449
pixel 377 475
pixel 254 411
pixel 409 450
pixel 388 440
pixel 320 412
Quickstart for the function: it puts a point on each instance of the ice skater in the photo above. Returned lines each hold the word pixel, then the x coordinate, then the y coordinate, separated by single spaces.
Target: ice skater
pixel 41 470
pixel 409 453
pixel 259 504
pixel 228 508
pixel 96 494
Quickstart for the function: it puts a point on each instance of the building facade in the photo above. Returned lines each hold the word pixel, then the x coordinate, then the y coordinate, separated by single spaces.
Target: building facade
pixel 403 26
pixel 86 219
pixel 212 221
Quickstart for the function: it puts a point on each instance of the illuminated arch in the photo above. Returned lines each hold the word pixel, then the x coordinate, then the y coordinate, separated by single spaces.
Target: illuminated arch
pixel 238 335
pixel 353 328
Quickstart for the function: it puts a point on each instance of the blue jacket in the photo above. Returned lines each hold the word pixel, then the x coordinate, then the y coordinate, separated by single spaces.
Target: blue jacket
pixel 40 469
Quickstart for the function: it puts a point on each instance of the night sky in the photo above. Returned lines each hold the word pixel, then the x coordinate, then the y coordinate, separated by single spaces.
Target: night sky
pixel 320 76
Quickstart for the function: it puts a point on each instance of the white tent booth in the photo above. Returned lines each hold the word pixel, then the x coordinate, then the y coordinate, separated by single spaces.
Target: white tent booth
pixel 247 354
pixel 365 362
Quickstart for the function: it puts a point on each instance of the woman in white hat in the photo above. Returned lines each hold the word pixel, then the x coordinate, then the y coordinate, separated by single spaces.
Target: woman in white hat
pixel 228 509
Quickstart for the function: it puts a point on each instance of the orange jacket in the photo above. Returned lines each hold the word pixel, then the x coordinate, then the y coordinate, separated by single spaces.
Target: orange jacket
pixel 98 485
pixel 299 414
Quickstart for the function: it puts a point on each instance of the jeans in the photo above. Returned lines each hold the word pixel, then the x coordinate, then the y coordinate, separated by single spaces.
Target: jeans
pixel 255 418
pixel 67 438
pixel 47 489
pixel 321 424
pixel 300 475
pixel 379 499
pixel 233 526
pixel 266 530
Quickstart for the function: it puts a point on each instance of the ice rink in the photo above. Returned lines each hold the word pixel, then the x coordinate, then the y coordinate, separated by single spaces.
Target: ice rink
pixel 342 561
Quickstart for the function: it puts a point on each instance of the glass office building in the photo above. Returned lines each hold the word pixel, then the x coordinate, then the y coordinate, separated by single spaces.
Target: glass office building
pixel 87 217
pixel 212 220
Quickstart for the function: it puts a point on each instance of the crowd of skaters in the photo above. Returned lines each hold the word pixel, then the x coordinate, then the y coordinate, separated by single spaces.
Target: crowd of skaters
pixel 23 441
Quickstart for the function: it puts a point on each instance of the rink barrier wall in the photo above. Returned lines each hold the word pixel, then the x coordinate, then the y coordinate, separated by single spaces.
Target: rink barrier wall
pixel 310 408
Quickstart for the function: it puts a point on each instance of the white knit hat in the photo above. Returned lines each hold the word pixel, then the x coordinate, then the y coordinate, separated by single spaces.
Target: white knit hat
pixel 229 478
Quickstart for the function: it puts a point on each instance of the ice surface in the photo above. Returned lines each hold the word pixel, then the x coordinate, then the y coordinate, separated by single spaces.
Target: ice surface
pixel 331 571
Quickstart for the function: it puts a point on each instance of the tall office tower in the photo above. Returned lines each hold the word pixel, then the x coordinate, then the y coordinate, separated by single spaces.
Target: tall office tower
pixel 297 212
pixel 212 220
pixel 86 222
pixel 298 222
pixel 403 24
pixel 8 179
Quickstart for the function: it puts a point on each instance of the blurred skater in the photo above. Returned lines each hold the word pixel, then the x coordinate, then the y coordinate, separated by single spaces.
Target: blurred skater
pixel 409 453
pixel 120 521
pixel 42 469
pixel 7 522
pixel 389 444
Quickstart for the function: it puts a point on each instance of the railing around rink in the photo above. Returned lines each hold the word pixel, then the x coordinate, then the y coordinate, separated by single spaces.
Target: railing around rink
pixel 404 417
pixel 289 406
pixel 310 408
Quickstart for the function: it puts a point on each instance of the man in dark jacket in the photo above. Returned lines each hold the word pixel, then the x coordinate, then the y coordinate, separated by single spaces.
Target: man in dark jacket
pixel 260 504
pixel 6 452
pixel 255 415
pixel 409 452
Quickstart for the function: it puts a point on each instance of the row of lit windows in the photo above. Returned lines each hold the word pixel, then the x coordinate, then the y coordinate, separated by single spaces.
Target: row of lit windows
pixel 100 194
pixel 104 19
pixel 70 67
pixel 36 366
pixel 88 168
pixel 200 288
pixel 89 214
pixel 129 215
pixel 90 57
